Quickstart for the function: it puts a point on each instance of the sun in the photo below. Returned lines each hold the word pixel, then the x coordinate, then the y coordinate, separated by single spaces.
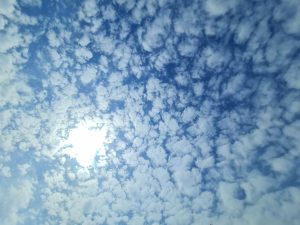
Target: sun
pixel 85 142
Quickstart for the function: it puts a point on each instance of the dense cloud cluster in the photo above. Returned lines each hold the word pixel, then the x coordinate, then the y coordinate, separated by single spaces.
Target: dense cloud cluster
pixel 200 101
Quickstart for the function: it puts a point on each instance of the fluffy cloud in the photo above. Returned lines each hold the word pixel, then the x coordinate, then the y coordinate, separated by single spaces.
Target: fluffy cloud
pixel 14 199
pixel 7 7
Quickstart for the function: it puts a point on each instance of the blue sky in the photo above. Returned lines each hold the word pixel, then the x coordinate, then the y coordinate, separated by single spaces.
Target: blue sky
pixel 149 112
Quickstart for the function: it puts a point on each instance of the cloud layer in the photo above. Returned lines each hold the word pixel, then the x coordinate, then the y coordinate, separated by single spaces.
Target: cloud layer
pixel 199 100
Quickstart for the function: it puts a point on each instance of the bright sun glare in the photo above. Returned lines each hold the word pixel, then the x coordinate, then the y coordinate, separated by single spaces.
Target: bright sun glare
pixel 85 142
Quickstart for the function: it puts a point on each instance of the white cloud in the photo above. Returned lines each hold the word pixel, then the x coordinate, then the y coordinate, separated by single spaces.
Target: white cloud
pixel 8 68
pixel 109 13
pixel 88 74
pixel 198 88
pixel 288 14
pixel 218 8
pixel 188 114
pixel 5 171
pixel 282 165
pixel 214 58
pixel 90 8
pixel 10 39
pixel 285 201
pixel 243 31
pixel 154 34
pixel 188 47
pixel 157 155
pixel 229 203
pixel 137 220
pixel 183 216
pixel 84 41
pixel 168 125
pixel 234 85
pixel 181 80
pixel 56 57
pixel 13 200
pixel 3 22
pixel 204 162
pixel 83 54
pixel 102 97
pixel 292 76
pixel 105 43
pixel 53 39
pixel 203 202
pixel 15 93
pixel 23 168
pixel 179 146
pixel 188 181
pixel 7 7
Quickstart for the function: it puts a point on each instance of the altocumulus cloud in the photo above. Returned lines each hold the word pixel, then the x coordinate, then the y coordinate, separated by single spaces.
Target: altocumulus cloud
pixel 149 112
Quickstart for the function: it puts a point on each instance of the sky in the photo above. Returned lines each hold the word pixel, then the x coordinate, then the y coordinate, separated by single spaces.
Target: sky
pixel 171 112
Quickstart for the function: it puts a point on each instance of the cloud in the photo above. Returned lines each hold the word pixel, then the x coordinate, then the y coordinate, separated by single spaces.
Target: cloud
pixel 10 39
pixel 200 101
pixel 7 7
pixel 83 54
pixel 157 156
pixel 218 8
pixel 90 8
pixel 188 47
pixel 88 74
pixel 188 114
pixel 292 77
pixel 84 41
pixel 155 33
pixel 288 14
pixel 8 68
pixel 204 201
pixel 16 93
pixel 227 195
pixel 52 39
pixel 5 171
pixel 15 199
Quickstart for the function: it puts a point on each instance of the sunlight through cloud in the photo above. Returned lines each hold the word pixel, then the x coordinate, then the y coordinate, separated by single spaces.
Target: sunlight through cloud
pixel 85 142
